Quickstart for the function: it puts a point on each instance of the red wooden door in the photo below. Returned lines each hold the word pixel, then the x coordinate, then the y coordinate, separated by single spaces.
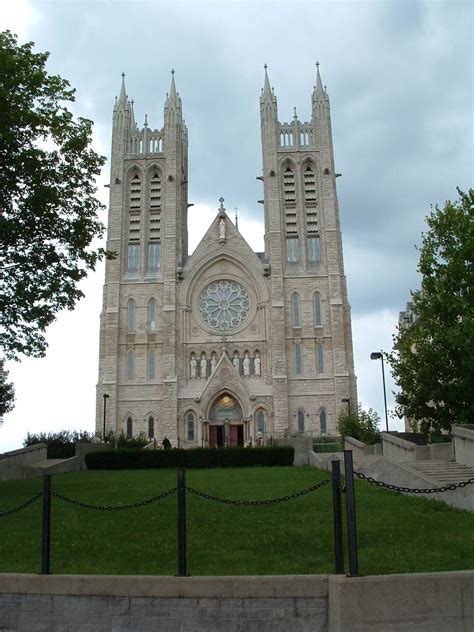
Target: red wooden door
pixel 212 436
pixel 234 435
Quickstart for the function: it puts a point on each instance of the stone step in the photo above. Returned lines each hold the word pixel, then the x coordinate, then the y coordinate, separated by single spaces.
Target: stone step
pixel 446 472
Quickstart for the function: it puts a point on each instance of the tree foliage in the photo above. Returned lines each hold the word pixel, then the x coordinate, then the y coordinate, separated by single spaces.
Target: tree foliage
pixel 434 361
pixel 7 391
pixel 48 209
pixel 360 424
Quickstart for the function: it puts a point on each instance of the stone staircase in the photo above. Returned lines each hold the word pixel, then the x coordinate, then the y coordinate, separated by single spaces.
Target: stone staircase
pixel 444 472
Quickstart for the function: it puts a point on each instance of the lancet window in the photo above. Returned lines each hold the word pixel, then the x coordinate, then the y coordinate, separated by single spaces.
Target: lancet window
pixel 151 316
pixel 318 320
pixel 323 428
pixel 301 421
pixel 298 359
pixel 155 200
pixel 151 364
pixel 151 427
pixel 320 358
pixel 295 310
pixel 131 316
pixel 190 426
pixel 130 363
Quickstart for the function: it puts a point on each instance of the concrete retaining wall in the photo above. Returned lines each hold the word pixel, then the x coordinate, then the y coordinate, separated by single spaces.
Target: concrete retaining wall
pixel 420 602
pixel 464 444
pixel 316 603
pixel 81 449
pixel 302 446
pixel 27 456
pixel 399 449
pixel 398 474
pixel 360 449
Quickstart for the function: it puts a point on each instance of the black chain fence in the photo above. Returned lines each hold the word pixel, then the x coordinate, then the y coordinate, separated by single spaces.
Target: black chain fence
pixel 140 503
pixel 337 489
pixel 414 490
pixel 22 506
pixel 254 503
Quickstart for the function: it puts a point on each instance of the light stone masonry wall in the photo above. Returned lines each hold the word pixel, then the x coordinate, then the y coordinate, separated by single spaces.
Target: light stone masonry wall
pixel 420 602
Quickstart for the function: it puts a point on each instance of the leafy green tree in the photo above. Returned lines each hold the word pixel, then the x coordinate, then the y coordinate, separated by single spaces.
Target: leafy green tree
pixel 48 209
pixel 433 361
pixel 7 392
pixel 360 424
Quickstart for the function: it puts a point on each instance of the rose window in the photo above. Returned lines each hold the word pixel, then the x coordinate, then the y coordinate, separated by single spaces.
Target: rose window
pixel 224 305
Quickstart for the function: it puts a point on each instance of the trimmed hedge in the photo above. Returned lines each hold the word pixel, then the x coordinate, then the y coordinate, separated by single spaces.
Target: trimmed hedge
pixel 60 445
pixel 196 457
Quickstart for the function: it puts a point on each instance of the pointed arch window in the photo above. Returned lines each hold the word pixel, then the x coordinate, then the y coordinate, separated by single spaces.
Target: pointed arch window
pixel 131 316
pixel 129 428
pixel 318 321
pixel 314 249
pixel 320 358
pixel 323 428
pixel 135 192
pixel 155 209
pixel 309 182
pixel 301 422
pixel 289 189
pixel 298 360
pixel 151 316
pixel 292 250
pixel 154 256
pixel 130 363
pixel 295 310
pixel 151 427
pixel 261 421
pixel 155 191
pixel 133 258
pixel 151 364
pixel 190 426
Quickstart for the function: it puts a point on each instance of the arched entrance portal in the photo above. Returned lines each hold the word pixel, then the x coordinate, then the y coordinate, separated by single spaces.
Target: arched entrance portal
pixel 226 422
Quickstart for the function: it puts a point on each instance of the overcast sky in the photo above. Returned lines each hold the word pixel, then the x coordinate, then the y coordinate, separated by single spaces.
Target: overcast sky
pixel 400 79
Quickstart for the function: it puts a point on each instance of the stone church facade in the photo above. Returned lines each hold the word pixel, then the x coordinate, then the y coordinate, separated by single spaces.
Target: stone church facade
pixel 224 346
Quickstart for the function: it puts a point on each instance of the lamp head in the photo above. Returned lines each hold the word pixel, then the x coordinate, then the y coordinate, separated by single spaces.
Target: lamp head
pixel 376 355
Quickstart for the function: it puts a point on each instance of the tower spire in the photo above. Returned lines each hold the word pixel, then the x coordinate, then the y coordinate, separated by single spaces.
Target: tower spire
pixel 319 90
pixel 173 87
pixel 122 100
pixel 173 102
pixel 267 91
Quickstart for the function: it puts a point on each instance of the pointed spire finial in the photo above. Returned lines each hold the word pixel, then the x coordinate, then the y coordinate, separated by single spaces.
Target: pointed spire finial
pixel 319 85
pixel 267 91
pixel 146 120
pixel 295 116
pixel 173 86
pixel 122 100
pixel 236 218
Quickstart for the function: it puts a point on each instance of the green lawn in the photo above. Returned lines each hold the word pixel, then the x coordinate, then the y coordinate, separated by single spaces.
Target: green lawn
pixel 396 534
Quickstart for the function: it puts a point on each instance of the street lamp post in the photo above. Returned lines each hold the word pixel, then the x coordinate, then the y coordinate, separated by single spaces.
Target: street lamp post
pixel 106 397
pixel 378 355
pixel 347 401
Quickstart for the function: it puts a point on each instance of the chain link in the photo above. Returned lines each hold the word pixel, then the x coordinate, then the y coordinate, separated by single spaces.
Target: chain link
pixel 20 507
pixel 253 503
pixel 140 503
pixel 414 490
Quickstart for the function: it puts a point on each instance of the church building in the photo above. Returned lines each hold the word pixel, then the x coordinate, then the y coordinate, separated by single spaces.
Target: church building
pixel 224 346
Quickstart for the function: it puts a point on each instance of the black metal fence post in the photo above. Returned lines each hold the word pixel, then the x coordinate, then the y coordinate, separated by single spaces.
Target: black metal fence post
pixel 46 534
pixel 181 523
pixel 337 517
pixel 351 514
